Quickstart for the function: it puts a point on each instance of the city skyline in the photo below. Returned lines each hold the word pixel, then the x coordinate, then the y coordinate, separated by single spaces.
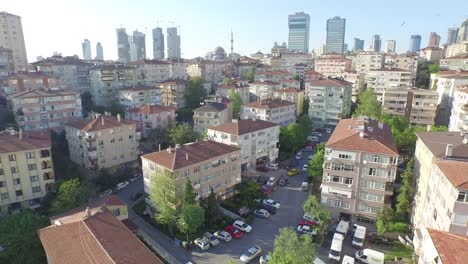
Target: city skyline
pixel 257 32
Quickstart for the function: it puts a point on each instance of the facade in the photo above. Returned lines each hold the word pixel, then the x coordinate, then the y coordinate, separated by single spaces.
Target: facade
pixel 434 40
pixel 329 101
pixel 209 165
pixel 359 170
pixel 173 43
pixel 210 71
pixel 158 44
pixel 25 81
pixel 152 71
pixel 446 85
pixel 459 114
pixel 415 43
pixel 137 46
pixel 86 47
pixel 294 95
pixel 99 52
pixel 225 90
pixel 139 95
pixel 441 195
pixel 390 46
pixel 7 64
pixel 103 141
pixel 376 43
pixel 258 140
pixel 298 25
pixel 178 69
pixel 402 61
pixel 288 61
pixel 212 114
pixel 273 110
pixel 45 108
pixel 272 75
pixel 455 63
pixel 150 117
pixel 123 46
pixel 12 38
pixel 433 54
pixel 332 64
pixel 261 90
pixel 358 44
pixel 173 92
pixel 441 247
pixel 452 35
pixel 463 32
pixel 367 61
pixel 388 78
pixel 336 28
pixel 456 49
pixel 26 171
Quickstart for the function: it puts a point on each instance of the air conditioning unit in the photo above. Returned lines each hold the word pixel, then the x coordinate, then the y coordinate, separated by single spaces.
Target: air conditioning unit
pixel 364 162
pixel 329 158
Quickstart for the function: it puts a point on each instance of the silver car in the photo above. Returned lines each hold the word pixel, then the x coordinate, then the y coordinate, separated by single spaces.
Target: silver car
pixel 223 235
pixel 251 254
pixel 213 240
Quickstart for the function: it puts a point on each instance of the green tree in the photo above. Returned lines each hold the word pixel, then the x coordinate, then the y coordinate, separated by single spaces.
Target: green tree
pixel 87 103
pixel 19 238
pixel 159 136
pixel 189 197
pixel 68 196
pixel 313 207
pixel 211 205
pixel 191 219
pixel 236 103
pixel 163 198
pixel 181 134
pixel 306 106
pixel 116 108
pixel 315 169
pixel 297 77
pixel 290 248
pixel 9 120
pixel 306 125
pixel 405 194
pixel 226 80
pixel 250 75
pixel 248 192
pixel 368 105
pixel 434 68
pixel 195 93
pixel 385 218
pixel 291 138
pixel 439 129
pixel 184 114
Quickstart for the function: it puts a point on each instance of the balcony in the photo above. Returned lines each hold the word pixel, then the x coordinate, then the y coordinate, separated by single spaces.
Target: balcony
pixel 46 164
pixel 92 148
pixel 93 154
pixel 48 176
pixel 45 153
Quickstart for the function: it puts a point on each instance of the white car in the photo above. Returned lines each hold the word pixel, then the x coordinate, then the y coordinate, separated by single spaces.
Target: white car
pixel 250 254
pixel 264 259
pixel 328 130
pixel 262 213
pixel 310 157
pixel 306 230
pixel 135 177
pixel 311 218
pixel 202 243
pixel 122 185
pixel 272 166
pixel 271 181
pixel 271 202
pixel 242 226
pixel 105 193
pixel 223 235
pixel 213 240
pixel 298 156
pixel 304 168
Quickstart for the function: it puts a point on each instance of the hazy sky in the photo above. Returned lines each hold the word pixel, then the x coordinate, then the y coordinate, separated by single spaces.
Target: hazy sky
pixel 60 26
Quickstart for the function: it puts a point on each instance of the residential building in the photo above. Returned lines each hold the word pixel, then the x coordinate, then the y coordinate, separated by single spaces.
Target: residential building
pixel 158 44
pixel 261 90
pixel 26 171
pixel 12 38
pixel 300 69
pixel 173 92
pixel 388 78
pixel 367 61
pixel 139 95
pixel 241 88
pixel 459 113
pixel 45 108
pixel 390 46
pixel 274 110
pixel 211 71
pixel 278 49
pixel 272 75
pixel 402 61
pixel 298 24
pixel 294 95
pixel 336 28
pixel 150 117
pixel 152 71
pixel 463 32
pixel 86 46
pixel 329 101
pixel 456 49
pixel 459 62
pixel 291 83
pixel 358 44
pixel 452 35
pixel 434 40
pixel 213 113
pixel 99 52
pixel 417 105
pixel 446 85
pixel 376 43
pixel 7 64
pixel 178 69
pixel 25 81
pixel 288 61
pixel 173 43
pixel 137 46
pixel 415 43
pixel 123 46
pixel 432 54
pixel 360 167
pixel 208 164
pixel 103 141
pixel 441 247
pixel 441 194
pixel 312 75
pixel 332 64
pixel 257 139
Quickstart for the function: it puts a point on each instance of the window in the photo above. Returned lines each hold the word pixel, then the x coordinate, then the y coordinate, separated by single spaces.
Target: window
pixel 196 170
pixel 2 172
pixel 112 140
pixel 185 173
pixel 13 170
pixel 335 179
pixel 376 158
pixel 116 212
pixel 4 196
pixel 19 193
pixel 462 197
pixel 348 180
pixel 32 167
pixel 372 171
pixel 12 157
pixel 2 184
pixel 344 156
pixel 460 219
pixel 36 189
pixel 34 178
pixel 16 181
pixel 30 155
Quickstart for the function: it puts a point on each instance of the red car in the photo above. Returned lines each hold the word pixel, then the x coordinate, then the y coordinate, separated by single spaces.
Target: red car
pixel 234 232
pixel 306 222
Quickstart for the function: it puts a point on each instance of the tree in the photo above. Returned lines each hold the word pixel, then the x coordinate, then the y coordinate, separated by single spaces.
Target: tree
pixel 181 134
pixel 434 68
pixel 9 120
pixel 20 240
pixel 195 93
pixel 189 197
pixel 159 136
pixel 368 105
pixel 306 125
pixel 248 192
pixel 406 192
pixel 306 106
pixel 439 129
pixel 87 103
pixel 315 167
pixel 313 207
pixel 226 80
pixel 211 205
pixel 297 77
pixel 290 248
pixel 385 218
pixel 236 103
pixel 291 138
pixel 191 219
pixel 68 197
pixel 250 75
pixel 163 198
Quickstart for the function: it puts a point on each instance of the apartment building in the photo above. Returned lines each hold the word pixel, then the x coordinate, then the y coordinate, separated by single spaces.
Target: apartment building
pixel 273 110
pixel 103 141
pixel 150 117
pixel 272 75
pixel 441 197
pixel 311 75
pixel 7 64
pixel 12 38
pixel 402 61
pixel 209 165
pixel 178 69
pixel 359 170
pixel 26 171
pixel 455 63
pixel 139 95
pixel 329 65
pixel 446 84
pixel 261 90
pixel 257 139
pixel 25 81
pixel 457 49
pixel 290 83
pixel 45 108
pixel 432 54
pixel 294 95
pixel 329 101
pixel 388 78
pixel 210 71
pixel 459 116
pixel 212 114
pixel 173 92
pixel 242 88
pixel 417 105
pixel 442 247
pixel 152 71
pixel 364 62
pixel 289 60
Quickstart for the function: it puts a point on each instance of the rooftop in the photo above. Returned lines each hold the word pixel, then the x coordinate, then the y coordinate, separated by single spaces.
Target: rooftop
pixel 44 92
pixel 10 142
pixel 265 82
pixel 26 75
pixel 142 62
pixel 174 82
pixel 330 82
pixel 139 88
pixel 288 90
pixel 233 86
pixel 152 109
pixel 241 127
pixel 273 72
pixel 99 123
pixel 211 107
pixel 391 69
pixel 450 247
pixel 269 104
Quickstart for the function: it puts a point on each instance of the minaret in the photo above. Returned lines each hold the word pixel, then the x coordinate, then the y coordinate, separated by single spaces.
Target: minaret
pixel 232 43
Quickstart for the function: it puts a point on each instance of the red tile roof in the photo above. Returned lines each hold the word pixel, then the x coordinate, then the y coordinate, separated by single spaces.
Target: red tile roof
pixel 152 109
pixel 48 92
pixel 29 141
pixel 265 83
pixel 95 124
pixel 26 75
pixel 456 172
pixel 346 136
pixel 452 249
pixel 241 127
pixel 330 82
pixel 289 90
pixel 269 104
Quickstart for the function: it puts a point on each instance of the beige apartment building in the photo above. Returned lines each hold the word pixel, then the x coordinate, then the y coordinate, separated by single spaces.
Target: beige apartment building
pixel 173 92
pixel 359 169
pixel 261 90
pixel 25 81
pixel 208 164
pixel 459 62
pixel 150 117
pixel 294 95
pixel 212 114
pixel 272 75
pixel 242 88
pixel 152 71
pixel 459 116
pixel 12 38
pixel 103 141
pixel 432 54
pixel 388 78
pixel 366 61
pixel 26 171
pixel 139 95
pixel 274 110
pixel 45 108
pixel 329 65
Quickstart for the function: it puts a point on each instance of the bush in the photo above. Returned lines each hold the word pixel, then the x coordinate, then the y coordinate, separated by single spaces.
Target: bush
pixel 140 207
pixel 398 227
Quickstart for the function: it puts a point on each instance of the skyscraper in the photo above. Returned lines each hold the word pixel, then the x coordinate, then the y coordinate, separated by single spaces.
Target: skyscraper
pixel 390 46
pixel 158 43
pixel 298 25
pixel 173 43
pixel 12 38
pixel 137 46
pixel 434 40
pixel 123 46
pixel 376 43
pixel 358 44
pixel 415 43
pixel 86 46
pixel 463 32
pixel 335 35
pixel 99 51
pixel 452 36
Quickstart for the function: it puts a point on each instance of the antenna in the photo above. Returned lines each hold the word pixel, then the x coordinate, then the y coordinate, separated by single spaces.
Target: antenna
pixel 232 42
pixel 157 22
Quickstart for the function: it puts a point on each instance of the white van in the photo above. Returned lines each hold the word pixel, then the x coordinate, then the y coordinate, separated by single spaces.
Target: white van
pixel 347 260
pixel 359 236
pixel 335 249
pixel 342 227
pixel 313 138
pixel 305 186
pixel 370 256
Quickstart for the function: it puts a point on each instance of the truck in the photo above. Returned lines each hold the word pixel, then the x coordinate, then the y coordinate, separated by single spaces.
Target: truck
pixel 342 227
pixel 370 256
pixel 336 246
pixel 359 236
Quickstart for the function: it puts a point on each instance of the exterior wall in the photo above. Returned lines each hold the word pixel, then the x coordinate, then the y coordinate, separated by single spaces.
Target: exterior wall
pixel 282 115
pixel 178 70
pixel 154 72
pixel 272 76
pixel 105 82
pixel 262 91
pixel 446 87
pixel 294 97
pixel 332 65
pixel 459 115
pixel 243 92
pixel 380 80
pixel 173 94
pixel 11 37
pixel 457 49
pixel 146 123
pixel 367 61
pixel 423 107
pixel 454 64
pixel 70 71
pixel 202 120
pixel 425 248
pixel 15 84
pixel 210 71
pixel 135 98
pixel 327 105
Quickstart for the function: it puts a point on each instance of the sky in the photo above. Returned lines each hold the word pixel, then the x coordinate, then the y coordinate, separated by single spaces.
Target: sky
pixel 60 26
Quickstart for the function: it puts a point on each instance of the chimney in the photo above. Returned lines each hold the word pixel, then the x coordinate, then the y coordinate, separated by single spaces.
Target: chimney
pixel 380 125
pixel 87 212
pixel 169 150
pixel 449 151
pixel 118 117
pixel 428 128
pixel 177 146
pixel 234 120
pixel 361 134
pixel 159 147
pixel 186 155
pixel 102 120
pixel 20 133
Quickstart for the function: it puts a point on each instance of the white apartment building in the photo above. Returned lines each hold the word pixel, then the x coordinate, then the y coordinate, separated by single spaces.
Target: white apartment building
pixel 364 62
pixel 329 101
pixel 210 71
pixel 152 71
pixel 294 95
pixel 178 69
pixel 150 117
pixel 45 108
pixel 103 141
pixel 388 78
pixel 273 110
pixel 139 95
pixel 441 247
pixel 402 61
pixel 257 139
pixel 212 114
pixel 290 83
pixel 12 38
pixel 359 170
pixel 241 88
pixel 272 75
pixel 446 85
pixel 459 62
pixel 261 90
pixel 330 65
pixel 290 60
pixel 432 54
pixel 459 116
pixel 457 49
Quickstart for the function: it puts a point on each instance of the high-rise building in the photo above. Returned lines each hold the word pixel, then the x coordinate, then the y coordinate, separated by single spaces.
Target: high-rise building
pixel 158 43
pixel 434 40
pixel 358 44
pixel 12 38
pixel 376 43
pixel 335 35
pixel 99 51
pixel 299 24
pixel 86 46
pixel 390 46
pixel 123 46
pixel 137 46
pixel 173 43
pixel 415 43
pixel 463 32
pixel 452 36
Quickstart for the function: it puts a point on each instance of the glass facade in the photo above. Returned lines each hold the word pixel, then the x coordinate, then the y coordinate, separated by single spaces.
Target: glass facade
pixel 299 32
pixel 335 35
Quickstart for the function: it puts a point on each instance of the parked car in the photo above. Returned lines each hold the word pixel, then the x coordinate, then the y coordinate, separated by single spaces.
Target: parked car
pixel 374 238
pixel 313 138
pixel 306 222
pixel 251 254
pixel 312 218
pixel 342 228
pixel 213 240
pixel 234 232
pixel 264 259
pixel 271 202
pixel 336 246
pixel 283 181
pixel 359 236
pixel 267 190
pixel 135 177
pixel 304 168
pixel 261 179
pixel 293 172
pixel 298 156
pixel 370 256
pixel 262 168
pixel 307 230
pixel 272 166
pixel 223 235
pixel 202 243
pixel 122 185
pixel 328 130
pixel 242 226
pixel 105 193
pixel 262 213
pixel 272 210
pixel 310 157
